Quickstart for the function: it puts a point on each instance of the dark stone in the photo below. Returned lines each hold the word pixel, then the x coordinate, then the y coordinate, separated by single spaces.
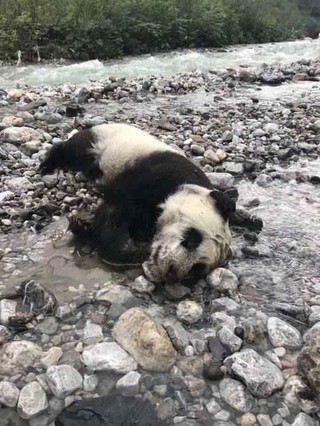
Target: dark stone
pixel 73 110
pixel 244 219
pixel 250 236
pixel 32 105
pixel 273 79
pixel 113 410
pixel 315 180
pixel 9 417
pixel 219 352
pixel 212 370
pixel 239 331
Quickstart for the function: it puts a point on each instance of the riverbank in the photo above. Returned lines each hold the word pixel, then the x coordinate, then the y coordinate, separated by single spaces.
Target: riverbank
pixel 236 350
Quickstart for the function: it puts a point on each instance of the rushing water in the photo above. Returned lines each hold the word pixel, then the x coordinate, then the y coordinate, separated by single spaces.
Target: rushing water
pixel 160 64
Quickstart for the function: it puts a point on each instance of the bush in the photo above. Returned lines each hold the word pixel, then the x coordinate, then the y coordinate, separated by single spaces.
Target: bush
pixel 90 29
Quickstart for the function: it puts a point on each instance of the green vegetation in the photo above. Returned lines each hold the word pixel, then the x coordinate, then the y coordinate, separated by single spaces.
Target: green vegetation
pixel 86 29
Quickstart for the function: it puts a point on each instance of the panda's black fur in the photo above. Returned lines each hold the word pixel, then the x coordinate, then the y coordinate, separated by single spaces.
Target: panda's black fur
pixel 143 174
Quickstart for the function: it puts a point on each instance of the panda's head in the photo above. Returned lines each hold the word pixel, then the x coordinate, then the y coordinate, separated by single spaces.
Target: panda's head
pixel 192 237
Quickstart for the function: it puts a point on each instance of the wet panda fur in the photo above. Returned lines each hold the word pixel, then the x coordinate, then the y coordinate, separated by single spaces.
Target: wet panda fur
pixel 151 194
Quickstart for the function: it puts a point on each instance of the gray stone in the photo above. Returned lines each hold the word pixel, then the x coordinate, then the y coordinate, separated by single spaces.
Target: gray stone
pixel 294 392
pixel 314 316
pixel 32 400
pixel 19 355
pixel 9 394
pixel 221 181
pixel 128 385
pixel 276 420
pixel 261 376
pixel 225 304
pixel 90 382
pixel 236 395
pixel 227 136
pixel 195 386
pixel 314 330
pixel 213 407
pixel 142 285
pixel 48 326
pixel 229 339
pixel 108 356
pixel 271 127
pixel 283 334
pixel 220 319
pixel 18 184
pixel 20 135
pixel 309 362
pixel 223 280
pixel 178 335
pixel 5 196
pixel 63 380
pixel 303 419
pixel 114 293
pixel 264 420
pixel 92 333
pixel 233 168
pixel 7 309
pixel 189 311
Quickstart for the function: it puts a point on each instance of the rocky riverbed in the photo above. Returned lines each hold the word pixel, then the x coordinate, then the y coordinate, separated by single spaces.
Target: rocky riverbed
pixel 83 344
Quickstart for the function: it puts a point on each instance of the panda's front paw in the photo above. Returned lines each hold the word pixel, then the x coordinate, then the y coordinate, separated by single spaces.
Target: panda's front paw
pixel 81 223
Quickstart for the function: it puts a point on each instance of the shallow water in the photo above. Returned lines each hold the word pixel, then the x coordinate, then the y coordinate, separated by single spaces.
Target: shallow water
pixel 160 64
pixel 289 243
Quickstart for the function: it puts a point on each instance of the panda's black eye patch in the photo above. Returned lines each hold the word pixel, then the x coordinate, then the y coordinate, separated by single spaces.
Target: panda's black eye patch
pixel 191 239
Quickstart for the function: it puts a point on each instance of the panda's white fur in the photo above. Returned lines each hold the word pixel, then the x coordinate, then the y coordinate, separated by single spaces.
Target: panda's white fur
pixel 191 206
pixel 119 145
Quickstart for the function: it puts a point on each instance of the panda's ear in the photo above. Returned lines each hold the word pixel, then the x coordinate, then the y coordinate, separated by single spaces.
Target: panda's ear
pixel 223 203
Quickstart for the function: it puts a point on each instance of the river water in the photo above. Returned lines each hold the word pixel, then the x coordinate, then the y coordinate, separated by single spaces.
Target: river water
pixel 162 64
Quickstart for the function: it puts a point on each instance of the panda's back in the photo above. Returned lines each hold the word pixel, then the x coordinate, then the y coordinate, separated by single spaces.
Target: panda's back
pixel 118 146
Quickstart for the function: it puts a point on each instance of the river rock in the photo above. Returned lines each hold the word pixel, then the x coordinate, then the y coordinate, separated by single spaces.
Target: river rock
pixel 18 184
pixel 108 356
pixel 220 319
pixel 7 309
pixel 48 326
pixel 114 293
pixel 221 181
pixel 20 135
pixel 92 333
pixel 261 376
pixel 178 335
pixel 264 420
pixel 12 121
pixel 223 280
pixel 297 392
pixel 9 394
pixel 229 339
pixel 189 311
pixel 303 419
pixel 142 285
pixel 224 304
pixel 128 385
pixel 236 395
pixel 52 357
pixel 20 355
pixel 5 196
pixel 309 362
pixel 63 380
pixel 313 331
pixel 147 341
pixel 32 400
pixel 283 334
pixel 195 386
pixel 213 407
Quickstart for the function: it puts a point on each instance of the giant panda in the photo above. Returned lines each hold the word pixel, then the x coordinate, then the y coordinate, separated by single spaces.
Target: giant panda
pixel 152 194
